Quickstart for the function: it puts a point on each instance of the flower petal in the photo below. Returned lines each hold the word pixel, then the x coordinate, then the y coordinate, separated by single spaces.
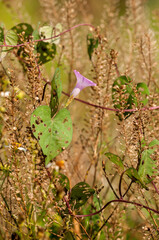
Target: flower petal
pixel 82 82
pixel 75 92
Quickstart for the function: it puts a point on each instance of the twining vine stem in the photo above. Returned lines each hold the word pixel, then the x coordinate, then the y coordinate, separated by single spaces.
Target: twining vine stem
pixel 82 101
pixel 119 200
pixel 58 35
pixel 108 203
pixel 113 109
pixel 98 106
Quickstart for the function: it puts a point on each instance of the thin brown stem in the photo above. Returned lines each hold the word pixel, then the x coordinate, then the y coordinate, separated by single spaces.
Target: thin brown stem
pixel 105 174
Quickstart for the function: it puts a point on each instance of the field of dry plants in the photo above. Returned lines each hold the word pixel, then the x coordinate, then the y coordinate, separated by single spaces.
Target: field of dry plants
pixel 79 119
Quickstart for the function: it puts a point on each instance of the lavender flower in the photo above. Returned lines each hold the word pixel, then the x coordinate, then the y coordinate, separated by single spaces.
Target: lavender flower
pixel 82 82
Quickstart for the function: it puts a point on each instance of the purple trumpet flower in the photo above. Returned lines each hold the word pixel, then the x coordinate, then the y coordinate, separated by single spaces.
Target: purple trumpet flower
pixel 82 82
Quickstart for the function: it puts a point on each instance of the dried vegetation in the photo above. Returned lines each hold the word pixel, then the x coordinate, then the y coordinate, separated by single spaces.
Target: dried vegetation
pixel 127 46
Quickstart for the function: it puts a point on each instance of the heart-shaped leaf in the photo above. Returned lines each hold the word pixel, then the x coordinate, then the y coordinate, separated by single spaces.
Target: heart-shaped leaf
pixel 24 28
pixel 80 194
pixel 46 32
pixel 49 31
pixel 54 134
pixel 11 38
pixel 46 51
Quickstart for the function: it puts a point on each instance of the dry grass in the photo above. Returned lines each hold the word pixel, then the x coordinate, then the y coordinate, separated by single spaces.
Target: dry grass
pixel 127 46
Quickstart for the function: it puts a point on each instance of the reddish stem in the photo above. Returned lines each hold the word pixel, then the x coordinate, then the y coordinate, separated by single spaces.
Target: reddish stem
pixel 39 40
pixel 117 200
pixel 154 185
pixel 113 109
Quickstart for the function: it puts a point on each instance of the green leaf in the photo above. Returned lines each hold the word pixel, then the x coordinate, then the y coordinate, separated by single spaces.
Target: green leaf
pixel 56 89
pixel 1 36
pixel 46 32
pixel 35 34
pixel 49 31
pixel 58 30
pixel 92 43
pixel 154 142
pixel 123 95
pixel 11 38
pixel 143 88
pixel 46 51
pixel 56 227
pixel 115 159
pixel 23 28
pixel 64 181
pixel 42 218
pixel 54 134
pixel 80 193
pixel 4 50
pixel 147 165
pixel 96 219
pixel 133 175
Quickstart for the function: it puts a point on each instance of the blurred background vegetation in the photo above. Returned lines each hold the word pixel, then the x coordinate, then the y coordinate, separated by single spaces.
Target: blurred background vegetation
pixel 128 222
pixel 14 12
